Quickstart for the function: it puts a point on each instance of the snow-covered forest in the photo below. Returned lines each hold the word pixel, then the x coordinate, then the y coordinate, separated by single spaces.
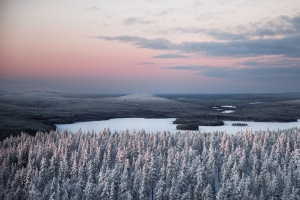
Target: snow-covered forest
pixel 264 165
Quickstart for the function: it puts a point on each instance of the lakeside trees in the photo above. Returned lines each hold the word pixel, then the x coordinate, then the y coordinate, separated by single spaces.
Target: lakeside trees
pixel 264 165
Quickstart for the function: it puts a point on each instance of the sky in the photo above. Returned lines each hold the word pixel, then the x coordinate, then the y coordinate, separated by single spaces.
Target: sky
pixel 150 46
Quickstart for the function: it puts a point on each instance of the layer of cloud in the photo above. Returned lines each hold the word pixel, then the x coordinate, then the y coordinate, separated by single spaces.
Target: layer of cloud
pixel 93 9
pixel 282 26
pixel 135 21
pixel 156 44
pixel 287 74
pixel 145 63
pixel 288 47
pixel 196 68
pixel 272 62
pixel 287 70
pixel 169 55
pixel 197 3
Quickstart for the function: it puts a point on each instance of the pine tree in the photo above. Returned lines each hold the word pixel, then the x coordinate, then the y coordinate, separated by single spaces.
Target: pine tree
pixel 152 174
pixel 112 194
pixel 89 191
pixel 143 189
pixel 221 194
pixel 18 194
pixel 53 186
pixel 200 184
pixel 174 191
pixel 43 175
pixel 78 192
pixel 124 185
pixel 34 194
pixel 160 189
pixel 208 193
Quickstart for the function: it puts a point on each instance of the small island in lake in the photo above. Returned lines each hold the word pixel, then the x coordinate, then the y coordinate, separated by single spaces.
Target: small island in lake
pixel 193 123
pixel 239 124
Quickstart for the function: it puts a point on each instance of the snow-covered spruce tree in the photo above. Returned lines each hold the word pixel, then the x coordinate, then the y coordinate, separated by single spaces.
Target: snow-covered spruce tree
pixel 139 165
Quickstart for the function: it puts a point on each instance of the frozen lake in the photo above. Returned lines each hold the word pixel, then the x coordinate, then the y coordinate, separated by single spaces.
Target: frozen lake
pixel 255 126
pixel 121 124
pixel 154 125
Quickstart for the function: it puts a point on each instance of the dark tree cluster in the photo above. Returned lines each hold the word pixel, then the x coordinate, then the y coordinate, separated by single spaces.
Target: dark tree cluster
pixel 193 123
pixel 187 127
pixel 239 124
pixel 161 166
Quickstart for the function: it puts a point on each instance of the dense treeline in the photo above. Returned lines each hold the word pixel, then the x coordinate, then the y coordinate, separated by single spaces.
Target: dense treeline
pixel 194 123
pixel 239 124
pixel 264 165
pixel 187 127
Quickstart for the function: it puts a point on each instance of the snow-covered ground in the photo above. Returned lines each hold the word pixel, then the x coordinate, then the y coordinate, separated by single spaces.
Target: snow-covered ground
pixel 224 107
pixel 228 106
pixel 154 125
pixel 255 126
pixel 253 103
pixel 227 111
pixel 143 98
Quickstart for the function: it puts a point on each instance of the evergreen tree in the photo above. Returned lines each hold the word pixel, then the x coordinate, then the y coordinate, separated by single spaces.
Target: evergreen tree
pixel 160 190
pixel 174 191
pixel 208 193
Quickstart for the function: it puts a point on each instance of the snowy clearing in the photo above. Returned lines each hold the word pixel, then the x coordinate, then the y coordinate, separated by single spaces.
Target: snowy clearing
pixel 143 98
pixel 228 106
pixel 228 111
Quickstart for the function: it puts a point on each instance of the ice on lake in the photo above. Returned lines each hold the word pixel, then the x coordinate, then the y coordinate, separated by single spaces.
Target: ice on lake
pixel 122 124
pixel 255 126
pixel 155 125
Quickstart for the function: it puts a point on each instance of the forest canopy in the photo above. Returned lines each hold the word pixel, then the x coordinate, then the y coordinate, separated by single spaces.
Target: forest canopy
pixel 139 165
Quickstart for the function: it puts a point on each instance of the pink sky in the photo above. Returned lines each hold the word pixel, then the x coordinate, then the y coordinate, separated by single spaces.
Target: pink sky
pixel 48 45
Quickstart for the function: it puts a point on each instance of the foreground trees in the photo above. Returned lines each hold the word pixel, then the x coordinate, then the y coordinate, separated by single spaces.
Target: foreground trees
pixel 185 166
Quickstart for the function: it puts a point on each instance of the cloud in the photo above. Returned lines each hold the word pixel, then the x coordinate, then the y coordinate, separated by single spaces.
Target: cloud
pixel 271 62
pixel 145 63
pixel 187 67
pixel 93 9
pixel 288 47
pixel 261 69
pixel 256 74
pixel 169 55
pixel 155 44
pixel 197 3
pixel 215 33
pixel 135 21
pixel 282 26
pixel 21 81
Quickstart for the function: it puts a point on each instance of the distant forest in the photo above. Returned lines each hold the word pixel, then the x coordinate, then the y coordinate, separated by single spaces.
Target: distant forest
pixel 161 166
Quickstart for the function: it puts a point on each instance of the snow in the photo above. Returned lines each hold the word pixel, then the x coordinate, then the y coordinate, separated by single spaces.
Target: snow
pixel 137 124
pixel 228 106
pixel 255 126
pixel 253 103
pixel 228 111
pixel 154 125
pixel 142 98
